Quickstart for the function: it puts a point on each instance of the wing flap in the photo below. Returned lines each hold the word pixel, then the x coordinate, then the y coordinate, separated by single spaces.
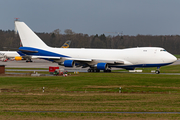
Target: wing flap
pixel 46 57
pixel 79 59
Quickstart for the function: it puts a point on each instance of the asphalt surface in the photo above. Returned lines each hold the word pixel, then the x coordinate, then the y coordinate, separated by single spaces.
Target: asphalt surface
pixel 38 64
pixel 45 64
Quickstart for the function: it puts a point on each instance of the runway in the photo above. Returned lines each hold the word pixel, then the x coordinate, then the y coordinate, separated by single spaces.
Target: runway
pixel 38 63
pixel 23 64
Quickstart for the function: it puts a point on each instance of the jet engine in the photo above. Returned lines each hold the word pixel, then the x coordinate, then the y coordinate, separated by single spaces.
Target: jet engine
pixel 102 66
pixel 69 63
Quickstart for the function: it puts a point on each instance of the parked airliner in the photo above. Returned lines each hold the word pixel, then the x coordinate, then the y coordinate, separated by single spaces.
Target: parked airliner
pixel 96 59
pixel 5 55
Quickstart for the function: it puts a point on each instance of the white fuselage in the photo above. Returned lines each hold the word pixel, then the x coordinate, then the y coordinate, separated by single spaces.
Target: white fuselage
pixel 130 56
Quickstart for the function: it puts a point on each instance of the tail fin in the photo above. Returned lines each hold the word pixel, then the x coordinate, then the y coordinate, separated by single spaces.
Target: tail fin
pixel 66 44
pixel 28 37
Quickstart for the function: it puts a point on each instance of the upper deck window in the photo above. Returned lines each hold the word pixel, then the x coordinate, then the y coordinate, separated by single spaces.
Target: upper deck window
pixel 163 50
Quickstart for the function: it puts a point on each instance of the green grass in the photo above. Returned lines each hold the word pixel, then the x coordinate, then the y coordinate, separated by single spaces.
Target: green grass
pixel 30 68
pixel 92 92
pixel 86 116
pixel 163 69
pixel 178 56
pixel 89 81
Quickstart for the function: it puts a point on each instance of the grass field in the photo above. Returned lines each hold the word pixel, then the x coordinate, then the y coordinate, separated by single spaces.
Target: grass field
pixel 91 92
pixel 178 56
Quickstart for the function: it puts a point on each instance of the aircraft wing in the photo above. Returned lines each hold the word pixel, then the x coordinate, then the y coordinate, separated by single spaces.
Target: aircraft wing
pixel 83 60
pixel 46 57
pixel 109 61
pixel 97 60
pixel 80 59
pixel 112 62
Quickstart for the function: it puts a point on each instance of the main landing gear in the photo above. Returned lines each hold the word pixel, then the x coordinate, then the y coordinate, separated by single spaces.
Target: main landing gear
pixel 29 61
pixel 96 70
pixel 157 71
pixel 93 70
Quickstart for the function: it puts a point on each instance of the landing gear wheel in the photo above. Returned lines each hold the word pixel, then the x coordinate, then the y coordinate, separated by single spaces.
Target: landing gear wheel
pixel 108 70
pixel 97 70
pixel 89 70
pixel 157 72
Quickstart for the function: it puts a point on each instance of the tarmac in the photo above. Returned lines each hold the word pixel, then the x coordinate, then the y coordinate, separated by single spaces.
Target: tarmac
pixel 38 63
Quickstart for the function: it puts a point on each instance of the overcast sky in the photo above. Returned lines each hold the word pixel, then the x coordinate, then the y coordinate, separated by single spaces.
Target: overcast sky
pixel 146 17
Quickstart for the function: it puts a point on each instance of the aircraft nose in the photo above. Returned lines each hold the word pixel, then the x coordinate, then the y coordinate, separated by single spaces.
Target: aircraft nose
pixel 169 58
pixel 172 58
pixel 175 59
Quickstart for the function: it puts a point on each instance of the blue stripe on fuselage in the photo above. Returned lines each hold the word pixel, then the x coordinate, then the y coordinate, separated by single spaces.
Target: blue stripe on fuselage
pixel 20 53
pixel 140 65
pixel 40 52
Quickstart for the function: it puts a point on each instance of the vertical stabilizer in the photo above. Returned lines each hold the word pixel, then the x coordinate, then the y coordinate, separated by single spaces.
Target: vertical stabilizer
pixel 15 30
pixel 66 44
pixel 28 37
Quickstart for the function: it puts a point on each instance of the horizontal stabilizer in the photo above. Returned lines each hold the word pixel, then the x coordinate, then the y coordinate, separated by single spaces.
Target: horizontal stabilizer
pixel 28 51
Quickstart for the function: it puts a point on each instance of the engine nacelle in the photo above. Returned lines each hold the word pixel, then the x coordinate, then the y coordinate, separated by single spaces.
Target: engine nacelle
pixel 102 66
pixel 18 58
pixel 69 63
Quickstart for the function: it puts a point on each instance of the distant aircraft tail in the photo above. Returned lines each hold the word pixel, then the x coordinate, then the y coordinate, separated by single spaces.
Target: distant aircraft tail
pixel 28 37
pixel 66 44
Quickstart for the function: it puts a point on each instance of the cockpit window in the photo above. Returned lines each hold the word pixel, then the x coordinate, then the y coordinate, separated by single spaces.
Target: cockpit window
pixel 163 50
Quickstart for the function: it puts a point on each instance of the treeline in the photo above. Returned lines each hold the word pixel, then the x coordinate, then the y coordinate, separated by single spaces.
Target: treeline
pixel 78 40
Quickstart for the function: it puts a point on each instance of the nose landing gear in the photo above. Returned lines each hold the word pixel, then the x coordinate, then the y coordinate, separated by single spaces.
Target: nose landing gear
pixel 157 71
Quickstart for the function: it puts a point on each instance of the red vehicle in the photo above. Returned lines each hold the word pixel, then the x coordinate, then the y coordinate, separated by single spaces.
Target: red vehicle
pixel 52 69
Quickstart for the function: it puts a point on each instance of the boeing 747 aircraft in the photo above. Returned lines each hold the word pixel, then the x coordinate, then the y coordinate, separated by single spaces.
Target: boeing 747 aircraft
pixel 95 59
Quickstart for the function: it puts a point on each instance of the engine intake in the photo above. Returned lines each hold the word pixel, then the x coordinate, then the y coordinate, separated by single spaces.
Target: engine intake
pixel 69 63
pixel 102 66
